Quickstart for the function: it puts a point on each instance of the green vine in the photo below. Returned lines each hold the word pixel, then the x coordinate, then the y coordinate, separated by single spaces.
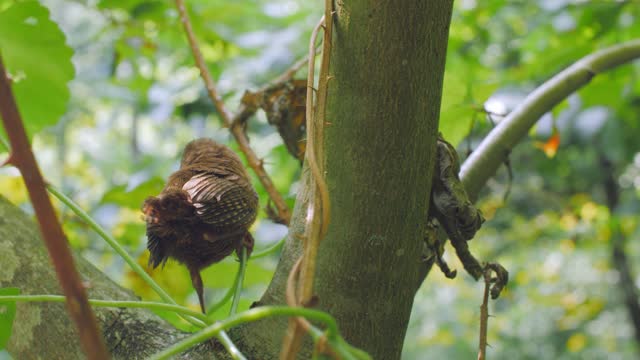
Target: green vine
pixel 152 305
pixel 238 282
pixel 332 335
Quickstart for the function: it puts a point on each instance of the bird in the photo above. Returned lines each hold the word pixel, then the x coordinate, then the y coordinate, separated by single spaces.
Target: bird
pixel 203 213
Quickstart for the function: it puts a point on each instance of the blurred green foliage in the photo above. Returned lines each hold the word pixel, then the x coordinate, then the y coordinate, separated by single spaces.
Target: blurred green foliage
pixel 136 99
pixel 553 233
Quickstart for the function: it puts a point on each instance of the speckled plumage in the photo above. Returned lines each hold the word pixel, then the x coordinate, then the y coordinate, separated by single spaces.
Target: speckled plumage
pixel 203 213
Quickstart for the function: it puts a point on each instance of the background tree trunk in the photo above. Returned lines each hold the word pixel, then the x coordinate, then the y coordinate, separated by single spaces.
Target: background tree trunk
pixel 387 65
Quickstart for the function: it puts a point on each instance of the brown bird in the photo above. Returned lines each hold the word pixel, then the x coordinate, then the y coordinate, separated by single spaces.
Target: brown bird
pixel 203 213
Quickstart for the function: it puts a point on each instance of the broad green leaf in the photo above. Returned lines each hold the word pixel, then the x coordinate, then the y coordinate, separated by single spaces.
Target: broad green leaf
pixel 455 121
pixel 7 314
pixel 133 199
pixel 453 124
pixel 605 89
pixel 222 274
pixel 37 58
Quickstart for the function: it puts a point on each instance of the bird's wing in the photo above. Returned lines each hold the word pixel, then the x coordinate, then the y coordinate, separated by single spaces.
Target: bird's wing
pixel 222 201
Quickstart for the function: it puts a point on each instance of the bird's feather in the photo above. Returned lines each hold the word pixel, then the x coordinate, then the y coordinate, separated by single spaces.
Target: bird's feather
pixel 222 202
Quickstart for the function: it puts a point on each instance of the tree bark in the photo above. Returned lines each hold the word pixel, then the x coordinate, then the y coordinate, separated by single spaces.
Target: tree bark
pixel 387 66
pixel 43 330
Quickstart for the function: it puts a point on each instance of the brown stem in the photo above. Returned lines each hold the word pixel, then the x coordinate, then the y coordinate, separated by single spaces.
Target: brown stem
pixel 293 336
pixel 284 213
pixel 318 209
pixel 22 158
pixel 484 317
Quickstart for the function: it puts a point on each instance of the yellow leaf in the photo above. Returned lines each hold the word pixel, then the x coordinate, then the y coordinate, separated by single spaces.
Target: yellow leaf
pixel 576 342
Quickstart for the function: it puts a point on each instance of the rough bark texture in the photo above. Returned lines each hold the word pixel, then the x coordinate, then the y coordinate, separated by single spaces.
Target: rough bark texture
pixel 43 330
pixel 387 65
pixel 384 107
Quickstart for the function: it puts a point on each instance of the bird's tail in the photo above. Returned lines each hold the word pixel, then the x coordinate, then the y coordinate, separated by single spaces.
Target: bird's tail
pixel 157 244
pixel 162 215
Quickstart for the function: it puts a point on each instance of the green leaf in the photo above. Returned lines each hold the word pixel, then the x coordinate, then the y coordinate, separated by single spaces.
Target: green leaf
pixel 222 274
pixel 605 89
pixel 455 115
pixel 7 314
pixel 454 122
pixel 134 198
pixel 37 58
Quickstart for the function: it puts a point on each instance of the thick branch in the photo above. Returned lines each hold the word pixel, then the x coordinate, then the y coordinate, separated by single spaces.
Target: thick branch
pixel 22 157
pixel 494 149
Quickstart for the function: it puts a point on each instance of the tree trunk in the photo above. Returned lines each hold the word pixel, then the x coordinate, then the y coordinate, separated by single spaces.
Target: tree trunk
pixel 387 66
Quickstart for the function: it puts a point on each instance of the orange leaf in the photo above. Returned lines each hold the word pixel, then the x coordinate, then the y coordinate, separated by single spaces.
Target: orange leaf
pixel 550 147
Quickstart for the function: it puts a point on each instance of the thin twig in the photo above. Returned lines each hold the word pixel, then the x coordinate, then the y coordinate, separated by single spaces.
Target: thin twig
pixel 484 316
pixel 284 213
pixel 22 158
